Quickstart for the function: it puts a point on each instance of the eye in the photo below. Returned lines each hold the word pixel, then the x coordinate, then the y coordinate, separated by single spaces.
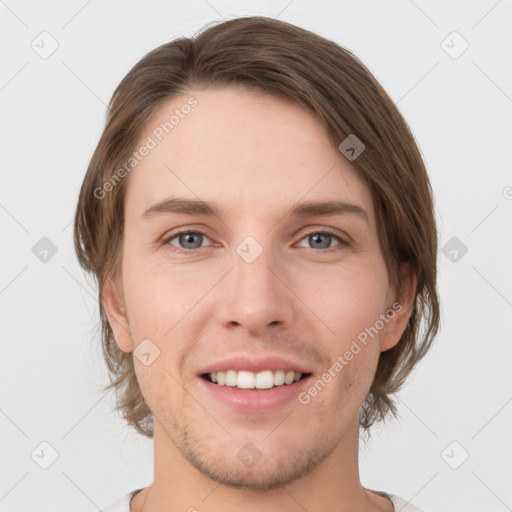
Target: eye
pixel 189 240
pixel 322 240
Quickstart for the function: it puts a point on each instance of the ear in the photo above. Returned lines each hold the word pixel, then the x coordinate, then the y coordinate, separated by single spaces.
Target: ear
pixel 116 314
pixel 402 308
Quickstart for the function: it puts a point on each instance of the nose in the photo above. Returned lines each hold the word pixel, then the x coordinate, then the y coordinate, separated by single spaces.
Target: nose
pixel 255 296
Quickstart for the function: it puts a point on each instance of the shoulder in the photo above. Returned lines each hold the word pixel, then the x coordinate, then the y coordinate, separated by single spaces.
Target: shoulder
pixel 123 503
pixel 399 503
pixel 403 505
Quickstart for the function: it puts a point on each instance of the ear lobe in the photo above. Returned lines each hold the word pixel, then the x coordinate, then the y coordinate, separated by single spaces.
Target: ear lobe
pixel 397 325
pixel 116 315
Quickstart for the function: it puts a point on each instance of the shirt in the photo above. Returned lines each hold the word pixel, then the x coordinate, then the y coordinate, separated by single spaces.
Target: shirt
pixel 401 505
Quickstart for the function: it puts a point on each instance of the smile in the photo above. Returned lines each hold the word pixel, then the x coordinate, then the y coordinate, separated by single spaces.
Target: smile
pixel 252 399
pixel 265 379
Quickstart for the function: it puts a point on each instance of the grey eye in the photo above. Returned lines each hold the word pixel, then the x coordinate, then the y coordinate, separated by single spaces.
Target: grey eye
pixel 318 243
pixel 189 240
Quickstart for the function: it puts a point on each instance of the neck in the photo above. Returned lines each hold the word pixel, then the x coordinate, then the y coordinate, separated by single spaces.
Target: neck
pixel 333 484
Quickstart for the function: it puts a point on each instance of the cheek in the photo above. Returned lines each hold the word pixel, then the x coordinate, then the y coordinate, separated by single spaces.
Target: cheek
pixel 338 393
pixel 151 388
pixel 159 389
pixel 355 381
pixel 161 308
pixel 349 302
pixel 157 298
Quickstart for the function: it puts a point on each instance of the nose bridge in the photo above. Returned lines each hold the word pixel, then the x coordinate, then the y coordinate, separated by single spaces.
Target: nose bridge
pixel 254 297
pixel 252 262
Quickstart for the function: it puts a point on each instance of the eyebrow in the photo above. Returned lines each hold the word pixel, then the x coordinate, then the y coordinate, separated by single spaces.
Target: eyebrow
pixel 306 209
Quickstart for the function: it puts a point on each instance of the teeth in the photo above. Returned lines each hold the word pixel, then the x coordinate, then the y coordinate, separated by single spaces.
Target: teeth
pixel 245 380
pixel 231 379
pixel 249 380
pixel 288 378
pixel 279 378
pixel 264 380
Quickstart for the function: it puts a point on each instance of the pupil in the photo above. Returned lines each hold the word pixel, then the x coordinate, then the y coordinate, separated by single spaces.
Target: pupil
pixel 189 238
pixel 316 235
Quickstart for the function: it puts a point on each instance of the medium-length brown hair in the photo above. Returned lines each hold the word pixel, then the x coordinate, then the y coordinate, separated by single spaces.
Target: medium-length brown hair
pixel 284 60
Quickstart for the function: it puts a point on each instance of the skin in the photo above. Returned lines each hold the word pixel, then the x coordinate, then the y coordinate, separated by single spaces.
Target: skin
pixel 255 156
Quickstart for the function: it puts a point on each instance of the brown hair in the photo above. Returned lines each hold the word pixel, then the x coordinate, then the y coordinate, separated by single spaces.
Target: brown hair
pixel 277 58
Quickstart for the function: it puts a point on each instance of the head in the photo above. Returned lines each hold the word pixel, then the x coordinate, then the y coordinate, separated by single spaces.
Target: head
pixel 249 117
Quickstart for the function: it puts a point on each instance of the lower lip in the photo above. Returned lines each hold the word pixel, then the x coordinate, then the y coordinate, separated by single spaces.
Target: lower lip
pixel 255 400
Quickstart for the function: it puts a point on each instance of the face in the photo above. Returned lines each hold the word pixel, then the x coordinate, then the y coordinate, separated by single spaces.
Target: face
pixel 254 282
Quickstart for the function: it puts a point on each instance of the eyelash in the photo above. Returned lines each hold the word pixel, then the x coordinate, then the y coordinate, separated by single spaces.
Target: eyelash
pixel 191 252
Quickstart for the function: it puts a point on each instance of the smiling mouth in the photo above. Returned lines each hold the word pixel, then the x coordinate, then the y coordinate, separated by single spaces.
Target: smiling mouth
pixel 246 380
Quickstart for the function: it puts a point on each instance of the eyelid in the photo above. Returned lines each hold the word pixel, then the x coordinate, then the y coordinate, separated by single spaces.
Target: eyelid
pixel 327 231
pixel 314 230
pixel 183 231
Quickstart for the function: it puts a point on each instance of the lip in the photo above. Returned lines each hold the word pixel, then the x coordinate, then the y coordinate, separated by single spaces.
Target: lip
pixel 255 400
pixel 255 365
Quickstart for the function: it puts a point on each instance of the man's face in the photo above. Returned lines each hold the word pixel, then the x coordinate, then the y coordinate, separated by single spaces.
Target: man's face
pixel 251 282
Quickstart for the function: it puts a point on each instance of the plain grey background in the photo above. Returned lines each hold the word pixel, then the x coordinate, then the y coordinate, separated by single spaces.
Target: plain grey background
pixel 451 449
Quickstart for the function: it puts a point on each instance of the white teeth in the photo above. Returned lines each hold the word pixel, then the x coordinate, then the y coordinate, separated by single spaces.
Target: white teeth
pixel 264 380
pixel 279 378
pixel 231 378
pixel 249 380
pixel 245 380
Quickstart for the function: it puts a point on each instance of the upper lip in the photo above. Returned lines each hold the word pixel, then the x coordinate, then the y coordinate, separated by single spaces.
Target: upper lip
pixel 253 364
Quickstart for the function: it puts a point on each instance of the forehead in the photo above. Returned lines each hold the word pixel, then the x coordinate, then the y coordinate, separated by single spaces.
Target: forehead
pixel 242 149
